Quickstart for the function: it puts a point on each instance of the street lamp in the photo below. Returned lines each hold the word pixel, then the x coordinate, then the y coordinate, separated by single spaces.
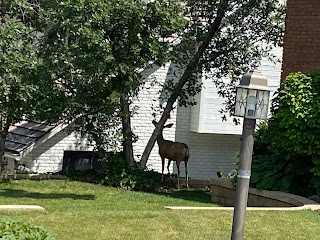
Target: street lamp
pixel 252 100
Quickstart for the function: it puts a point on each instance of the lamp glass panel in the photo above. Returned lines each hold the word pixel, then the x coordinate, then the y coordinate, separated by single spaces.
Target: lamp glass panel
pixel 241 102
pixel 251 104
pixel 262 104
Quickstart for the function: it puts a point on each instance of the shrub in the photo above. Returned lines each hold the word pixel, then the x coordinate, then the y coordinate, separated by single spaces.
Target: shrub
pixel 272 172
pixel 116 172
pixel 287 147
pixel 119 174
pixel 22 231
pixel 262 139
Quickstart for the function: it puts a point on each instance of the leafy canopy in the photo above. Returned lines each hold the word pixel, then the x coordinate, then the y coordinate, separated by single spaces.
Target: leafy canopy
pixel 249 29
pixel 18 59
pixel 222 40
pixel 95 50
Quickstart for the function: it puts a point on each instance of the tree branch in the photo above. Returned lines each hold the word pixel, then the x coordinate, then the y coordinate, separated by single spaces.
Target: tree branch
pixel 213 29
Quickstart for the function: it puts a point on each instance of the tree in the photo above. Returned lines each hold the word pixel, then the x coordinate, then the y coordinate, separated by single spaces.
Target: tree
pixel 20 92
pixel 95 51
pixel 232 36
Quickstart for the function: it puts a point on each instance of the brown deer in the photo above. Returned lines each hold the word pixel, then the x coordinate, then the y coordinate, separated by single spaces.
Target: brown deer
pixel 173 151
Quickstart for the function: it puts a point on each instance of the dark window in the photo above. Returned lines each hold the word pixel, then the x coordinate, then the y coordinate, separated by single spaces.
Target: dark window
pixel 80 160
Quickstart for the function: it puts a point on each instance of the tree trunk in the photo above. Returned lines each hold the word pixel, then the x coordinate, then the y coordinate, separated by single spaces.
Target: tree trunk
pixel 214 27
pixel 3 132
pixel 126 128
pixel 5 124
pixel 2 150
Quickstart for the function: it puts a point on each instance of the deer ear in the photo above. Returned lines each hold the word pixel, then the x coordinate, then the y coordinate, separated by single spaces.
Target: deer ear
pixel 168 125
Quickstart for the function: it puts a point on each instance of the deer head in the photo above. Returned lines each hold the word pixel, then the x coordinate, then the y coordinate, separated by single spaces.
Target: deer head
pixel 165 126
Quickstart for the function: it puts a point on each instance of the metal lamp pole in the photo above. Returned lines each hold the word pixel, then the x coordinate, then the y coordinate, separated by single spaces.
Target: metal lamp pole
pixel 252 99
pixel 244 173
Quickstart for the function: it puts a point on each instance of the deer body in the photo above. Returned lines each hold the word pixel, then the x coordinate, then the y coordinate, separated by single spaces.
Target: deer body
pixel 173 151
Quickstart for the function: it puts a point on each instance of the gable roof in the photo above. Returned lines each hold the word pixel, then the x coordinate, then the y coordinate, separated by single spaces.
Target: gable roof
pixel 26 135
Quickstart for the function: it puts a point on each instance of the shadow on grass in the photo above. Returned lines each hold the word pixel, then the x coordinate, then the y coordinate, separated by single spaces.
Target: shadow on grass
pixel 196 195
pixel 25 194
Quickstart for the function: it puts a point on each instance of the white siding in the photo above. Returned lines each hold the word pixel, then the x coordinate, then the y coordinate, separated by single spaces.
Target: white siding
pixel 209 152
pixel 205 116
pixel 272 70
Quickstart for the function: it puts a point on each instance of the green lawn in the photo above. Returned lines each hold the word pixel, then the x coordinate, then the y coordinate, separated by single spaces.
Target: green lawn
pixel 81 211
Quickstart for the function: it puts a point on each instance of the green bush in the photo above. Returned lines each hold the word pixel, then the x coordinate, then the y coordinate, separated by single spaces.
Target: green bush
pixel 119 174
pixel 116 172
pixel 12 230
pixel 287 147
pixel 262 140
pixel 271 172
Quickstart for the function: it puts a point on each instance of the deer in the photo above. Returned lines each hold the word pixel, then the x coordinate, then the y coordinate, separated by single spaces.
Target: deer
pixel 173 151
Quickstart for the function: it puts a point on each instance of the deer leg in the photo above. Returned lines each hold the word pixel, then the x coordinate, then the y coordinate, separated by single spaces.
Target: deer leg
pixel 187 177
pixel 168 167
pixel 178 167
pixel 162 161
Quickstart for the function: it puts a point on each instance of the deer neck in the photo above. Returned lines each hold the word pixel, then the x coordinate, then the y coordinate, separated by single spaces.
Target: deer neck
pixel 160 138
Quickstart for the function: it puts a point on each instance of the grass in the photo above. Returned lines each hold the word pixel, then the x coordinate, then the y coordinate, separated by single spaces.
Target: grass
pixel 81 211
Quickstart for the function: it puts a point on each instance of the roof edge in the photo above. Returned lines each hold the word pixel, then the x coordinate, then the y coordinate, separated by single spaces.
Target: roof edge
pixel 38 142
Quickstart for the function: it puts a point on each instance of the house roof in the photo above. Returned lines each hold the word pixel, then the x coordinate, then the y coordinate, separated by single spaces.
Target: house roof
pixel 26 135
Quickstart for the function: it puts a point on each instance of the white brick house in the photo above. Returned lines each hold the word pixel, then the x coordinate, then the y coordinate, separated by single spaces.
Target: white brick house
pixel 41 147
pixel 213 143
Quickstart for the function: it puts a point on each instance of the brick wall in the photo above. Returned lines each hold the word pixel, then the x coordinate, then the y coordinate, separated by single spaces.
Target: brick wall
pixel 48 157
pixel 209 152
pixel 147 104
pixel 302 37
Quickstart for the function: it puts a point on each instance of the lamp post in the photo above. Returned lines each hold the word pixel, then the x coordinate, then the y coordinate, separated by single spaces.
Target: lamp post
pixel 252 100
